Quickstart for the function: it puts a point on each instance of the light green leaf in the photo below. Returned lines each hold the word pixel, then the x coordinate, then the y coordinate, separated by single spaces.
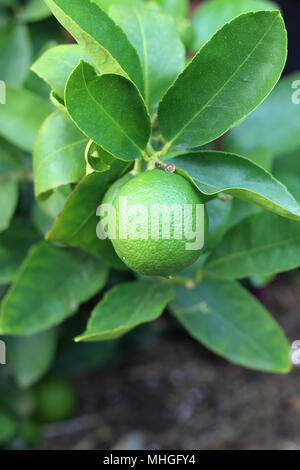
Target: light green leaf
pixel 260 244
pixel 14 244
pixel 45 212
pixel 275 125
pixel 226 319
pixel 174 7
pixel 103 41
pixel 56 64
pixel 216 172
pixel 30 357
pixel 34 10
pixel 224 83
pixel 106 4
pixel 15 54
pixel 218 219
pixel 212 14
pixel 126 306
pixel 10 159
pixel 120 123
pixel 41 298
pixel 21 117
pixel 8 200
pixel 58 157
pixel 156 40
pixel 76 224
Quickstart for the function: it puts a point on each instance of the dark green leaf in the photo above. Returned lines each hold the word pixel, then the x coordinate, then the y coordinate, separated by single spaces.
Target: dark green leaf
pixel 103 41
pixel 120 122
pixel 56 64
pixel 212 14
pixel 230 322
pixel 260 244
pixel 156 40
pixel 41 298
pixel 216 172
pixel 58 157
pixel 21 117
pixel 126 306
pixel 275 125
pixel 14 244
pixel 8 426
pixel 30 357
pixel 224 83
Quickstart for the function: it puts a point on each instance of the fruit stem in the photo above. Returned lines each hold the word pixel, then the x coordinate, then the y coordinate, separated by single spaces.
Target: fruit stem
pixel 137 169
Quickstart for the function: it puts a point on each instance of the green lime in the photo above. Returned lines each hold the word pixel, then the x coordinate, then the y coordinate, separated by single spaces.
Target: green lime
pixel 157 231
pixel 55 400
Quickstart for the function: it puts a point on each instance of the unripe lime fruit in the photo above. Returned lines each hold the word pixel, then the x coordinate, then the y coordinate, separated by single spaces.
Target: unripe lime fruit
pixel 55 400
pixel 156 244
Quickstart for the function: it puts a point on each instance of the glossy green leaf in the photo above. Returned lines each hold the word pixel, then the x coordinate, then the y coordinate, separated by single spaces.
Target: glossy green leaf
pixel 174 7
pixel 34 10
pixel 56 64
pixel 126 306
pixel 109 110
pixel 58 157
pixel 14 244
pixel 22 116
pixel 275 125
pixel 15 54
pixel 41 298
pixel 45 212
pixel 226 319
pixel 156 40
pixel 260 244
pixel 103 41
pixel 97 158
pixel 8 200
pixel 8 426
pixel 77 223
pixel 224 83
pixel 30 357
pixel 216 172
pixel 213 14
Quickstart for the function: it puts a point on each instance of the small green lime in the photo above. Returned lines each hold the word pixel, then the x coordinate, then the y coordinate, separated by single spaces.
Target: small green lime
pixel 55 400
pixel 156 235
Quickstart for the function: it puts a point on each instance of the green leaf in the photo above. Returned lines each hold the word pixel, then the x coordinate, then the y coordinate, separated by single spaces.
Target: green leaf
pixel 275 125
pixel 216 172
pixel 8 426
pixel 213 14
pixel 260 244
pixel 103 41
pixel 156 40
pixel 58 157
pixel 241 210
pixel 34 10
pixel 45 212
pixel 174 7
pixel 30 357
pixel 126 306
pixel 224 83
pixel 76 224
pixel 10 159
pixel 97 158
pixel 120 122
pixel 14 244
pixel 106 4
pixel 8 200
pixel 218 219
pixel 226 319
pixel 287 170
pixel 22 116
pixel 41 298
pixel 56 64
pixel 15 54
